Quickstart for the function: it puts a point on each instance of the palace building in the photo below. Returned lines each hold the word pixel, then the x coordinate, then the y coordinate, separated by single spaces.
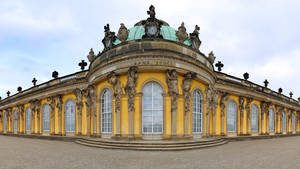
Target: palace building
pixel 150 82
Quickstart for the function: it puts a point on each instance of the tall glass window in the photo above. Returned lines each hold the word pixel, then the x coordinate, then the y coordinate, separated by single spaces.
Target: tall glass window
pixel 231 116
pixel 5 121
pixel 271 120
pixel 152 119
pixel 293 122
pixel 106 111
pixel 197 111
pixel 284 122
pixel 70 116
pixel 28 119
pixel 46 117
pixel 15 121
pixel 254 118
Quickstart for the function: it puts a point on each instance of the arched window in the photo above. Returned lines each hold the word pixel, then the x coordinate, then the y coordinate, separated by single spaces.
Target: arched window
pixel 197 111
pixel 254 118
pixel 28 119
pixel 70 116
pixel 271 120
pixel 152 119
pixel 284 122
pixel 46 117
pixel 106 111
pixel 231 116
pixel 293 122
pixel 15 121
pixel 5 121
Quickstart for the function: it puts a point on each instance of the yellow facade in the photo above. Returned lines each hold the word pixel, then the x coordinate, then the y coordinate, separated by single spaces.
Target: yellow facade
pixel 143 78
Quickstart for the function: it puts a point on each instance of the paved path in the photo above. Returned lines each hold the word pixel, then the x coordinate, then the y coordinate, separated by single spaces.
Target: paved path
pixel 26 153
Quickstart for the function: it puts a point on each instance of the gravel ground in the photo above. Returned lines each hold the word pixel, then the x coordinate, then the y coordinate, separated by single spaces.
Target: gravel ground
pixel 26 153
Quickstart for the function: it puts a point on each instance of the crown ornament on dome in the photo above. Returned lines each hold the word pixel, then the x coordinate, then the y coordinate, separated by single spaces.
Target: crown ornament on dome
pixel 152 25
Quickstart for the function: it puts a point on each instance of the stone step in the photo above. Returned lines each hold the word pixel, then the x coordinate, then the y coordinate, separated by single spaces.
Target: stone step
pixel 157 145
pixel 154 142
pixel 152 148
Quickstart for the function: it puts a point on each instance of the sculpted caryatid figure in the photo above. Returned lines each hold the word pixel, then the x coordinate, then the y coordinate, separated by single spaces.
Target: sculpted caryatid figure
pixel 92 93
pixel 59 103
pixel 211 106
pixel 181 33
pixel 38 114
pixel 172 82
pixel 248 111
pixel 186 88
pixel 242 108
pixel 79 105
pixel 123 33
pixel 52 112
pixel 264 109
pixel 88 106
pixel 32 109
pixel 130 91
pixel 223 101
pixel 130 87
pixel 115 82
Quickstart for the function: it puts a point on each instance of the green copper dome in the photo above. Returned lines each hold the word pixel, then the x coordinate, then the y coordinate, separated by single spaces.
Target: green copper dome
pixel 167 32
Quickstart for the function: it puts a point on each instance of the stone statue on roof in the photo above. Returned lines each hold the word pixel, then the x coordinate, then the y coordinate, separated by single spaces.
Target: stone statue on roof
pixel 151 12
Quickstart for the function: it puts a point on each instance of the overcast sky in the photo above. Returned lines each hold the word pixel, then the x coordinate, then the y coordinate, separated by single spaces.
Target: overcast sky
pixel 254 36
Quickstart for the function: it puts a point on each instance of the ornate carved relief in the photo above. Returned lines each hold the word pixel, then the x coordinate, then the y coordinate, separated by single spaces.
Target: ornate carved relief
pixel 181 33
pixel 211 106
pixel 186 88
pixel 79 104
pixel 52 113
pixel 113 79
pixel 59 104
pixel 248 111
pixel 224 99
pixel 130 91
pixel 241 108
pixel 172 82
pixel 123 33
